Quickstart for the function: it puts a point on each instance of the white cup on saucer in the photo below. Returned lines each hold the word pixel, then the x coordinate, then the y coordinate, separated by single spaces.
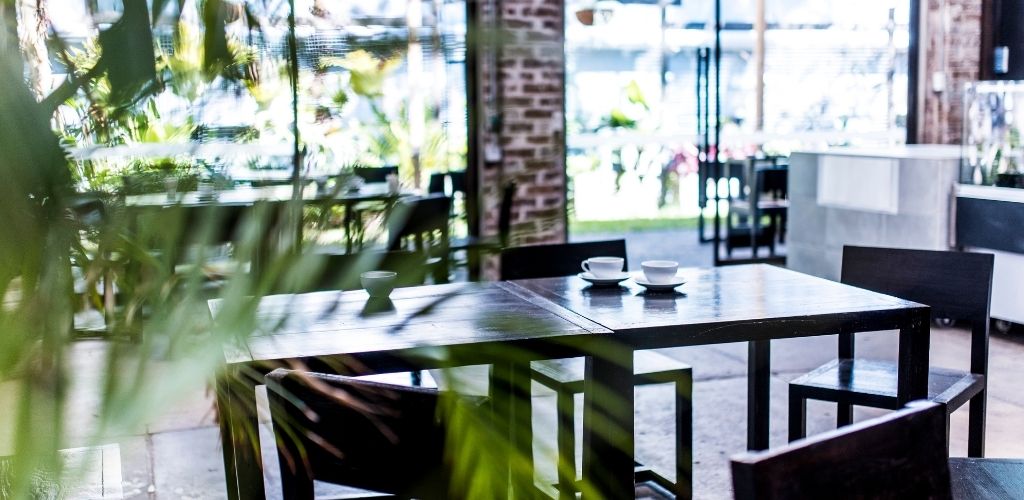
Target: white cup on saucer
pixel 604 267
pixel 660 271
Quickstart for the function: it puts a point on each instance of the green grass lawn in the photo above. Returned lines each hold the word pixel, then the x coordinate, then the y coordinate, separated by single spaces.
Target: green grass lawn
pixel 611 226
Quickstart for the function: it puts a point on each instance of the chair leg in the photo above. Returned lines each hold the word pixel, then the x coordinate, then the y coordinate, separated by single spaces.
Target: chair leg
pixel 295 485
pixel 797 415
pixel 976 428
pixel 684 436
pixel 296 476
pixel 844 414
pixel 566 435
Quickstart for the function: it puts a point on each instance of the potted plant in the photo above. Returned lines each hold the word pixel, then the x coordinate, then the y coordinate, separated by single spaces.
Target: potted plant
pixel 586 15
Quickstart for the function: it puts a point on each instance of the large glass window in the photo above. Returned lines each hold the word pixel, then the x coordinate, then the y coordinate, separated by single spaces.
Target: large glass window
pixel 381 82
pixel 833 73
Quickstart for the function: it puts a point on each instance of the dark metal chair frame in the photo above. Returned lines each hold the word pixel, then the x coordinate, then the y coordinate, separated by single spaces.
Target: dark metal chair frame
pixel 957 285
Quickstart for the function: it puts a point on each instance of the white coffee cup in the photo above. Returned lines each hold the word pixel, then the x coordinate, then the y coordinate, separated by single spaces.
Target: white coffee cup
pixel 660 271
pixel 378 284
pixel 604 267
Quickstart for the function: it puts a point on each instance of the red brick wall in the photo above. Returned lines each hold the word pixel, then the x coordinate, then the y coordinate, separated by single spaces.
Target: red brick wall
pixel 951 45
pixel 523 88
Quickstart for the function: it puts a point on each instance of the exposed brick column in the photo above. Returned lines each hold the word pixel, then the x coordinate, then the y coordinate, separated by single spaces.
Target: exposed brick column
pixel 951 45
pixel 523 119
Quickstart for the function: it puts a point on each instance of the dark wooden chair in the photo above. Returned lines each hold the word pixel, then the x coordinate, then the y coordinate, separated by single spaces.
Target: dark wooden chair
pixel 566 376
pixel 380 437
pixel 898 456
pixel 375 174
pixel 547 261
pixel 439 183
pixel 476 246
pixel 957 285
pixel 421 225
pixel 763 193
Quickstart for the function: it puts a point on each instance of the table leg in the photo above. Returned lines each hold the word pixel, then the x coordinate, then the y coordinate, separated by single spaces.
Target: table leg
pixel 349 227
pixel 239 425
pixel 608 441
pixel 913 359
pixel 758 393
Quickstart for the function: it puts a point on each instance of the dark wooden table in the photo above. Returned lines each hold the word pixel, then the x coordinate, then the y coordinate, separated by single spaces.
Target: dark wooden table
pixel 553 318
pixel 750 303
pixel 974 478
pixel 421 327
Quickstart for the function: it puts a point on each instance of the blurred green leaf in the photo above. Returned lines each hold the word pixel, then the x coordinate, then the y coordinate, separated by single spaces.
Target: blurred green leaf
pixel 635 95
pixel 618 119
pixel 366 72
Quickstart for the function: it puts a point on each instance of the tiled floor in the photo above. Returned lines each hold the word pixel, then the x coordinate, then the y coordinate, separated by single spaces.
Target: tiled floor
pixel 177 455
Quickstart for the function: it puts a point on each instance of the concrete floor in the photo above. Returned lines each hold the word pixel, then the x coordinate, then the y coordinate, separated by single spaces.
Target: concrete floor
pixel 177 455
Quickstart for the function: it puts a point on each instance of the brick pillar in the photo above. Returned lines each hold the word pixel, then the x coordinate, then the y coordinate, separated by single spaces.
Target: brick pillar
pixel 523 125
pixel 951 49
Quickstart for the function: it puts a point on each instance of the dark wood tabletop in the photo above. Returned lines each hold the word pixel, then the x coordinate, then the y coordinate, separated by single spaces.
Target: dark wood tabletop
pixel 313 325
pixel 702 310
pixel 974 478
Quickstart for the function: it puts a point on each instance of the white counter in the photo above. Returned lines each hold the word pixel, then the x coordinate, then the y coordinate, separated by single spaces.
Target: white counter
pixel 989 219
pixel 939 152
pixel 891 197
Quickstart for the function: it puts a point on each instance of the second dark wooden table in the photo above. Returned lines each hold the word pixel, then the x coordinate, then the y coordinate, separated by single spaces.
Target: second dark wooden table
pixel 749 303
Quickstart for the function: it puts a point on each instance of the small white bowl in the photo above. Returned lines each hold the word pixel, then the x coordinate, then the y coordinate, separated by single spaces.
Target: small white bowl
pixel 378 283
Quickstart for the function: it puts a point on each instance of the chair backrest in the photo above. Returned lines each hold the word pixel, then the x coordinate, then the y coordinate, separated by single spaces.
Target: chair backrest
pixel 88 209
pixel 508 195
pixel 360 433
pixel 375 174
pixel 956 285
pixel 338 271
pixel 901 455
pixel 773 181
pixel 436 184
pixel 424 221
pixel 546 261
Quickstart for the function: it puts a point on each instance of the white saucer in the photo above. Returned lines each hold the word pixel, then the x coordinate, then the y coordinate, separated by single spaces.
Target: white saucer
pixel 660 287
pixel 594 280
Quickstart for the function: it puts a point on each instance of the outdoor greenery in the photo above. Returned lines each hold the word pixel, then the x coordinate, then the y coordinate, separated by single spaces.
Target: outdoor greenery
pixel 582 227
pixel 70 247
